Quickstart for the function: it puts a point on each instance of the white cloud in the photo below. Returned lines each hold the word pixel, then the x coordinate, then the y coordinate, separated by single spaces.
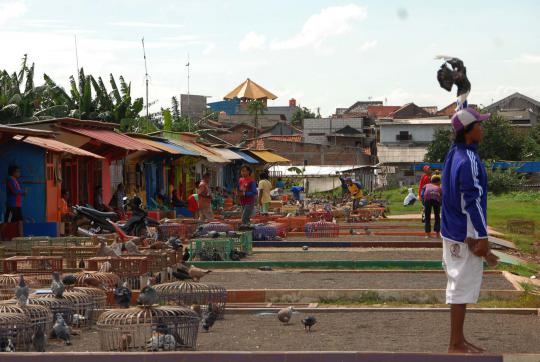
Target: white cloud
pixel 368 44
pixel 142 24
pixel 331 21
pixel 11 10
pixel 527 58
pixel 251 41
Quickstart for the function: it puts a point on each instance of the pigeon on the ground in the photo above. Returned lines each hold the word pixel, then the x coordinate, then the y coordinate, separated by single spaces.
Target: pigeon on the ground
pixel 305 247
pixel 69 279
pixel 57 287
pixel 285 315
pixel 39 339
pixel 22 291
pixel 209 318
pixel 197 273
pixel 148 295
pixel 309 322
pixel 61 329
pixel 122 295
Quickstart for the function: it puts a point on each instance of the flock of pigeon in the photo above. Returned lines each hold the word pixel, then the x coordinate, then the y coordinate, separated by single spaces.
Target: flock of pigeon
pixel 285 315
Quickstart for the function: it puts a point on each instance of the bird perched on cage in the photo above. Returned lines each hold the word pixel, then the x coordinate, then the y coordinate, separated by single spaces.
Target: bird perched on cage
pixel 69 280
pixel 39 339
pixel 209 317
pixel 175 243
pixel 22 291
pixel 148 295
pixel 61 329
pixel 105 250
pixel 57 287
pixel 284 315
pixel 132 248
pixel 122 295
pixel 309 322
pixel 197 273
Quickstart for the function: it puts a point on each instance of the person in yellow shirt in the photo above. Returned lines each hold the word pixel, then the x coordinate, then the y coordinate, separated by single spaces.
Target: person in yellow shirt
pixel 355 189
pixel 264 192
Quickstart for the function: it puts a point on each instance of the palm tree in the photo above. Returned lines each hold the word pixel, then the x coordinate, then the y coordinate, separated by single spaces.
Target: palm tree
pixel 255 108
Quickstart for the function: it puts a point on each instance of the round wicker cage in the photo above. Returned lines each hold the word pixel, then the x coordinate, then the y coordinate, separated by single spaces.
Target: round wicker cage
pixel 55 305
pixel 15 332
pixel 109 280
pixel 154 328
pixel 189 293
pixel 39 315
pixel 8 283
pixel 98 298
pixel 83 307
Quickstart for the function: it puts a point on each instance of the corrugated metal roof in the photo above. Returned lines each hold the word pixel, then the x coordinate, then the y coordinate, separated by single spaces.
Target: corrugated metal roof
pixel 113 138
pixel 269 157
pixel 201 150
pixel 25 131
pixel 226 153
pixel 56 146
pixel 246 157
pixel 315 170
pixel 168 147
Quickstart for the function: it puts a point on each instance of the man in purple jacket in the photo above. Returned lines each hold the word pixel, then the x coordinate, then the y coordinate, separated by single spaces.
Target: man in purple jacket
pixel 464 228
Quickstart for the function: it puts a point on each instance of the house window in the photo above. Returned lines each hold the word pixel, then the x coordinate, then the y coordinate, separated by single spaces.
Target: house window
pixel 404 136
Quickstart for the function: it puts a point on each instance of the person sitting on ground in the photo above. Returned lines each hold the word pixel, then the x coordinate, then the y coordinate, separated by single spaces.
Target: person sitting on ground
pixel 410 199
pixel 431 198
pixel 355 189
pixel 193 202
pixel 264 192
pixel 248 194
pixel 117 201
pixel 205 199
pixel 98 200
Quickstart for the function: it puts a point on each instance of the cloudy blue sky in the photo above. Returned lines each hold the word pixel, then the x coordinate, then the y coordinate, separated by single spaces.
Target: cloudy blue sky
pixel 325 54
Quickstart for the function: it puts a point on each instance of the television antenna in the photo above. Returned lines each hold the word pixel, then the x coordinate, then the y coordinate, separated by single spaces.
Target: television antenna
pixel 146 78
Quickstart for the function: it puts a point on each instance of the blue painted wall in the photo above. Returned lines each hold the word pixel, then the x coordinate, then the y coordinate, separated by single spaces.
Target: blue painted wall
pixel 227 106
pixel 31 160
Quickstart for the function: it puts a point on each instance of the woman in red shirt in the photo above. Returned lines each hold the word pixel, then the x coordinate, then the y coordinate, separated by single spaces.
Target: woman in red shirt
pixel 248 194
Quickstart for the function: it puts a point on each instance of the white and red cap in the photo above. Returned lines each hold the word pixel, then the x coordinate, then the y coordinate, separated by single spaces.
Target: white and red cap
pixel 466 116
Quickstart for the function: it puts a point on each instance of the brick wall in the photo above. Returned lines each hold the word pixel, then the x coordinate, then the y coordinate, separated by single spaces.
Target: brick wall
pixel 316 154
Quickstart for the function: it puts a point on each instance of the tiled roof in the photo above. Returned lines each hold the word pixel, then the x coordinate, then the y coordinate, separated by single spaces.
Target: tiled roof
pixel 382 111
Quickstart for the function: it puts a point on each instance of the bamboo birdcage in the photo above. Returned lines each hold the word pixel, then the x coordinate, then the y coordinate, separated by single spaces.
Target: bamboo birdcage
pixel 110 280
pixel 82 307
pixel 55 305
pixel 189 293
pixel 148 328
pixel 37 267
pixel 38 315
pixel 17 328
pixel 8 283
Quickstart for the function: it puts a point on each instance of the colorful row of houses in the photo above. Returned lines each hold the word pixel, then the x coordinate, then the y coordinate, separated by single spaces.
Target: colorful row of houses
pixel 86 157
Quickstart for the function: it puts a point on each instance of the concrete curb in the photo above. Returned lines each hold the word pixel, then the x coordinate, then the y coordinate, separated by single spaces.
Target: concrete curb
pixel 325 264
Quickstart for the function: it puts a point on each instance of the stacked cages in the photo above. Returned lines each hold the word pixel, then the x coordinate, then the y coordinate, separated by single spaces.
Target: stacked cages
pixel 148 328
pixel 39 316
pixel 321 229
pixel 15 332
pixel 128 268
pixel 265 232
pixel 188 293
pixel 217 249
pixel 176 230
pixel 39 268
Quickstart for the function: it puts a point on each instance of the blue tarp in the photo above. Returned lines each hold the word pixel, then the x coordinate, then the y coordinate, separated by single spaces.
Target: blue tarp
pixel 246 157
pixel 434 166
pixel 179 148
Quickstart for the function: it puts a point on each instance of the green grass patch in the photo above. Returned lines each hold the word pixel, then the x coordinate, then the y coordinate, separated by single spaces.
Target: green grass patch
pixel 395 199
pixel 524 270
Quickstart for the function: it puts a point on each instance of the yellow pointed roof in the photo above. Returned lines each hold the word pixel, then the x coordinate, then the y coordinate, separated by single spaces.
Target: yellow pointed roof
pixel 250 90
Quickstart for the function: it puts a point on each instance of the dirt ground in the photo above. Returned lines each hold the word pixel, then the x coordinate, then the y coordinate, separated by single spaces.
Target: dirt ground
pixel 345 254
pixel 388 331
pixel 255 279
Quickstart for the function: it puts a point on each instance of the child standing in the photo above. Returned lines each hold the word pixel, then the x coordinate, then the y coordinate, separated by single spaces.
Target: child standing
pixel 248 194
pixel 264 193
pixel 431 197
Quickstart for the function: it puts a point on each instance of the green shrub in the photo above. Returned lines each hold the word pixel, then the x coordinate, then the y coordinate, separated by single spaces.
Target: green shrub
pixel 503 181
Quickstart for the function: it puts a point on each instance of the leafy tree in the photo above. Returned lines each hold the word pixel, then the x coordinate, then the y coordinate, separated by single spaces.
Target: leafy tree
pixel 300 114
pixel 167 119
pixel 255 108
pixel 138 125
pixel 501 141
pixel 437 150
pixel 501 181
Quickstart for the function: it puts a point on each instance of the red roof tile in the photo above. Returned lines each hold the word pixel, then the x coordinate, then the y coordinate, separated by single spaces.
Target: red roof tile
pixel 113 138
pixel 382 111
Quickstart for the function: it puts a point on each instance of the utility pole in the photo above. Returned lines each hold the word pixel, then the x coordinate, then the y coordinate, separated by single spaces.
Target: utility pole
pixel 146 80
pixel 188 108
